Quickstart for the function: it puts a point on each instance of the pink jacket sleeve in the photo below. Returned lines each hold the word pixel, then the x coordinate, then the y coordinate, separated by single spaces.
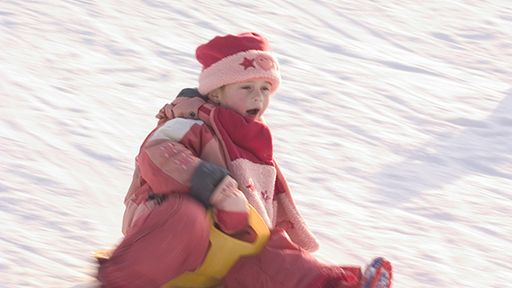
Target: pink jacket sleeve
pixel 169 161
pixel 167 166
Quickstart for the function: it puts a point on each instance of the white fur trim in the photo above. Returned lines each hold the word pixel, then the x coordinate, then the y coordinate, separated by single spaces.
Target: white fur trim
pixel 229 70
pixel 174 129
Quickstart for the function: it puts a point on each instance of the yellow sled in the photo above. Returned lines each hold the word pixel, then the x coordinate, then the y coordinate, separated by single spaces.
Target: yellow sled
pixel 223 254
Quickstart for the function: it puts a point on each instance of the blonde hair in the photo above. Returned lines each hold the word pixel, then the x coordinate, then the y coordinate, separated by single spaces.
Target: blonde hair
pixel 216 92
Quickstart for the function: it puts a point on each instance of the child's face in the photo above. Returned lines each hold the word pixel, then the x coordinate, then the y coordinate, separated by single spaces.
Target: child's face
pixel 249 98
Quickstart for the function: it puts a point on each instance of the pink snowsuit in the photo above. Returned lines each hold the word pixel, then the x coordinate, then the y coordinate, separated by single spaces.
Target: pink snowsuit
pixel 165 224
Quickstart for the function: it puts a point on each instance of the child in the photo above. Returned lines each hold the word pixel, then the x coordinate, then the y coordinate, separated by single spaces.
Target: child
pixel 211 149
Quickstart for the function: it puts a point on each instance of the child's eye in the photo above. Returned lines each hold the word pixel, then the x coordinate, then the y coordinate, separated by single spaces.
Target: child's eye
pixel 246 87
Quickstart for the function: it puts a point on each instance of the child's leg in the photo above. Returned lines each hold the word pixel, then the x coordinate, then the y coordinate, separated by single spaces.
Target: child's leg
pixel 283 264
pixel 171 240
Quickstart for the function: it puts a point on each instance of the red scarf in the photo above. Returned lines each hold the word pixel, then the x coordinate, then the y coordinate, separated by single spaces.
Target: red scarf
pixel 243 137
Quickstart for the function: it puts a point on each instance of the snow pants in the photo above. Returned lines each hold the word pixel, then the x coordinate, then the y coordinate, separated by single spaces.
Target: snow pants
pixel 174 238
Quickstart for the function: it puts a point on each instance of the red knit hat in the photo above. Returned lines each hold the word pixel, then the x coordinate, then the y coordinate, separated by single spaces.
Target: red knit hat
pixel 235 58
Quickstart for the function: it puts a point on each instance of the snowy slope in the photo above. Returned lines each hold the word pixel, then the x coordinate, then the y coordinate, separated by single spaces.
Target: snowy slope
pixel 393 127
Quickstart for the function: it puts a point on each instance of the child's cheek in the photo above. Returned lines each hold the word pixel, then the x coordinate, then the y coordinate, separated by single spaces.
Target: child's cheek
pixel 241 98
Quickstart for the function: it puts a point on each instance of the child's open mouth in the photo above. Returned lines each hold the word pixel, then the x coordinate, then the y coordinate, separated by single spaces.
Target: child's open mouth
pixel 252 112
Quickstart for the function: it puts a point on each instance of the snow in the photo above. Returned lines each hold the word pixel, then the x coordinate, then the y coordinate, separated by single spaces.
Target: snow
pixel 393 127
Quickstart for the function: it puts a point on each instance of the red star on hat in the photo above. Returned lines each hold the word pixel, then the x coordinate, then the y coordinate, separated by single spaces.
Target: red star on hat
pixel 248 63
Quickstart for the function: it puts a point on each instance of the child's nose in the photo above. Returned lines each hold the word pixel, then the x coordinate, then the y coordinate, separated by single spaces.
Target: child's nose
pixel 258 96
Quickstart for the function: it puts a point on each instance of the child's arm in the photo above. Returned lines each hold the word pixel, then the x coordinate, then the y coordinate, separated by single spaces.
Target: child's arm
pixel 169 166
